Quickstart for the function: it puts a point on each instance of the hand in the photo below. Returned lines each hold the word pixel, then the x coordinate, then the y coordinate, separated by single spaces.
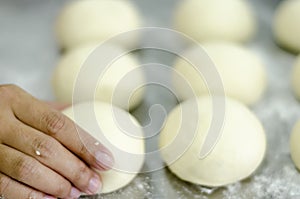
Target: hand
pixel 42 154
pixel 58 106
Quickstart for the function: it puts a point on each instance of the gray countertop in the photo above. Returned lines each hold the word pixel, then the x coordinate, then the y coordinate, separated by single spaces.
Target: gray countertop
pixel 28 54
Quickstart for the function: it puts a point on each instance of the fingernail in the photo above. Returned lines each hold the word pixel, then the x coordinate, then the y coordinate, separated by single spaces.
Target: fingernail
pixel 103 159
pixel 49 197
pixel 94 185
pixel 75 193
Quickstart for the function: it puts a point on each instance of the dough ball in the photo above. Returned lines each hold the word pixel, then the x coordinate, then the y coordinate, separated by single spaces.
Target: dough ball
pixel 237 154
pixel 128 162
pixel 294 145
pixel 287 25
pixel 119 83
pixel 88 21
pixel 242 73
pixel 296 78
pixel 230 20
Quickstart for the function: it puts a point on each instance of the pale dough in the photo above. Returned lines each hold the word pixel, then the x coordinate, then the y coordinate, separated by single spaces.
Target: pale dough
pixel 295 146
pixel 242 73
pixel 88 21
pixel 128 142
pixel 121 83
pixel 296 78
pixel 287 24
pixel 238 153
pixel 230 20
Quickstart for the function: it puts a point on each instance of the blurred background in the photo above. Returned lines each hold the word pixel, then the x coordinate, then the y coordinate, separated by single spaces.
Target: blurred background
pixel 28 48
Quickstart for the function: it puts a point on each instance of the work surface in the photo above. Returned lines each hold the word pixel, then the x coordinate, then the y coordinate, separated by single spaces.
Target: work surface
pixel 28 53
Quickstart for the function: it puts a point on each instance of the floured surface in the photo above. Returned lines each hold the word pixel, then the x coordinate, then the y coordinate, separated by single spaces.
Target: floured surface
pixel 277 178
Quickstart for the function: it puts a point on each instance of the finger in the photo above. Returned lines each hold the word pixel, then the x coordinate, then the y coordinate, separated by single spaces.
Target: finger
pixel 32 173
pixel 9 186
pixel 60 127
pixel 58 106
pixel 52 154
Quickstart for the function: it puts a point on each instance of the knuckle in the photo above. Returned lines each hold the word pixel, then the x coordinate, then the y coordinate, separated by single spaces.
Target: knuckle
pixel 54 122
pixel 4 183
pixel 82 170
pixel 62 190
pixel 83 150
pixel 18 129
pixel 24 168
pixel 8 91
pixel 44 146
pixel 34 194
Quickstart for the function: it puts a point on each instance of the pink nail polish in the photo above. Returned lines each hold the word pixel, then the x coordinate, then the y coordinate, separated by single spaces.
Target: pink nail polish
pixel 49 197
pixel 75 193
pixel 103 159
pixel 94 185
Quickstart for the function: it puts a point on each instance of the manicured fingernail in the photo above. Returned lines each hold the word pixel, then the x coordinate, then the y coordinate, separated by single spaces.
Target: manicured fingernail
pixel 103 159
pixel 49 197
pixel 75 193
pixel 94 185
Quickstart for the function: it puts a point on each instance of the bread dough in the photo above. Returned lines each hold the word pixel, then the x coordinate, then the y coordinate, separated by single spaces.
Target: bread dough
pixel 120 83
pixel 242 72
pixel 287 25
pixel 296 78
pixel 127 164
pixel 294 145
pixel 229 20
pixel 238 153
pixel 87 21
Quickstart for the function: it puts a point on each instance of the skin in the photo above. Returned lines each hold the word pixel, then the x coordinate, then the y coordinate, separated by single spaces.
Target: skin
pixel 64 166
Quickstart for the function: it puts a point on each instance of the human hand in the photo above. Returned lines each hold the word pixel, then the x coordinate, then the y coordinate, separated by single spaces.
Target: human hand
pixel 42 154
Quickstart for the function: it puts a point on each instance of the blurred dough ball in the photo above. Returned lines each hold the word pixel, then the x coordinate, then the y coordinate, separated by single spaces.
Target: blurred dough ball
pixel 295 146
pixel 120 83
pixel 296 78
pixel 130 160
pixel 203 20
pixel 85 21
pixel 287 25
pixel 238 152
pixel 242 73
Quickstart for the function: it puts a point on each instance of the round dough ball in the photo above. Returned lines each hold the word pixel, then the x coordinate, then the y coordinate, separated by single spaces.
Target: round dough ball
pixel 242 73
pixel 230 20
pixel 133 149
pixel 88 21
pixel 118 83
pixel 296 78
pixel 287 25
pixel 237 154
pixel 294 145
